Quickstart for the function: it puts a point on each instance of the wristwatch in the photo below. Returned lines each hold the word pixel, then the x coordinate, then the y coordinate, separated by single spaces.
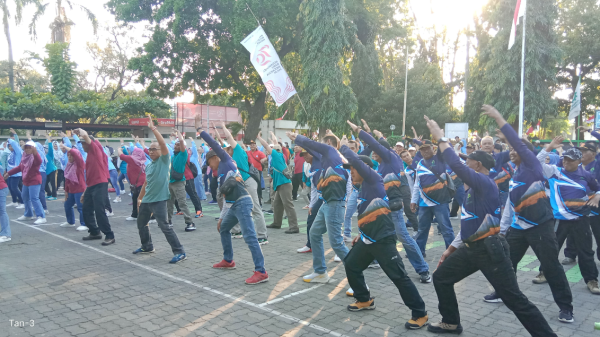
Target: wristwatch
pixel 443 140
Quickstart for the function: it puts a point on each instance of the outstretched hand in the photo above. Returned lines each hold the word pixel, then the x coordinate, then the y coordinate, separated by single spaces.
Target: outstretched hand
pixel 366 126
pixel 353 126
pixel 344 141
pixel 434 128
pixel 291 135
pixel 555 143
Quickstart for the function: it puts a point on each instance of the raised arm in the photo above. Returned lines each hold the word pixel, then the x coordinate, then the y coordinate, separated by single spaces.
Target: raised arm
pixel 367 173
pixel 306 143
pixel 210 140
pixel 268 149
pixel 83 134
pixel 182 145
pixel 229 136
pixel 159 138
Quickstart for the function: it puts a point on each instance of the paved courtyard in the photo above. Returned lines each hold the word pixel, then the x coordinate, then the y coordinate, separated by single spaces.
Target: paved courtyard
pixel 55 284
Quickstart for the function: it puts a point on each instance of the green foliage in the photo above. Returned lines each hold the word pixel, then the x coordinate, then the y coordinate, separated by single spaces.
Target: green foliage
pixel 26 78
pixel 61 70
pixel 330 102
pixel 86 106
pixel 392 140
pixel 496 72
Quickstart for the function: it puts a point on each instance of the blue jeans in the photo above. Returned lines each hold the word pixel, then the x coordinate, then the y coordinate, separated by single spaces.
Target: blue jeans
pixel 13 186
pixel 503 198
pixel 73 198
pixel 113 181
pixel 350 209
pixel 328 220
pixel 241 212
pixel 200 187
pixel 410 245
pixel 120 180
pixel 442 213
pixel 4 221
pixel 31 199
pixel 42 192
pixel 311 218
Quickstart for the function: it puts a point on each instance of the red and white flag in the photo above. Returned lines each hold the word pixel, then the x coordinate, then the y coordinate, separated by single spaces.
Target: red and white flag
pixel 519 12
pixel 281 118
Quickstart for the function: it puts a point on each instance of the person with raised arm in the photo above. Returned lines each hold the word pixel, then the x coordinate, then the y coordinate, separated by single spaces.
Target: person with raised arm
pixel 14 160
pixel 237 208
pixel 42 194
pixel 478 245
pixel 190 186
pixel 112 173
pixel 282 185
pixel 377 240
pixel 396 188
pixel 29 167
pixel 136 175
pixel 314 159
pixel 51 170
pixel 333 190
pixel 527 220
pixel 153 195
pixel 74 187
pixel 241 160
pixel 95 197
pixel 196 160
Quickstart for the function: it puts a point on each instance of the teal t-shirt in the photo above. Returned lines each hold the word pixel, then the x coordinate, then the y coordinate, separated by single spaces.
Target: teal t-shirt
pixel 179 161
pixel 241 160
pixel 278 164
pixel 157 180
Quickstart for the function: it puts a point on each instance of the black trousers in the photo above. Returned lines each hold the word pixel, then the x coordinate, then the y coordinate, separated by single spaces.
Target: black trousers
pixel 542 240
pixel 579 231
pixel 61 178
pixel 386 253
pixel 259 188
pixel 468 260
pixel 311 218
pixel 571 248
pixel 94 199
pixel 107 204
pixel 214 184
pixel 50 187
pixel 412 217
pixel 296 183
pixel 190 189
pixel 159 210
pixel 135 193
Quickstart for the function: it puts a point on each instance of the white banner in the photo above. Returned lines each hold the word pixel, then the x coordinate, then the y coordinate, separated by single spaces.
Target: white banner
pixel 576 103
pixel 265 60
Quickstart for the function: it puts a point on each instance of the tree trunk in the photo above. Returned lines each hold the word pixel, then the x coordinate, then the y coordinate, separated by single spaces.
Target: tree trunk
pixel 255 115
pixel 11 63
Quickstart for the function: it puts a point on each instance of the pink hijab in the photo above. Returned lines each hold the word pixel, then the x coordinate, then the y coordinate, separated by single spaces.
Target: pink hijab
pixel 139 157
pixel 71 169
pixel 26 162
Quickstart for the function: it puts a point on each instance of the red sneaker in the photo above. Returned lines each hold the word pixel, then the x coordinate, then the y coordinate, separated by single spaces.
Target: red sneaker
pixel 179 213
pixel 199 214
pixel 257 278
pixel 224 265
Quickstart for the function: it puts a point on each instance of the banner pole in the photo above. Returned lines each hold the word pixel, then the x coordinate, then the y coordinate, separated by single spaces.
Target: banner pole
pixel 253 14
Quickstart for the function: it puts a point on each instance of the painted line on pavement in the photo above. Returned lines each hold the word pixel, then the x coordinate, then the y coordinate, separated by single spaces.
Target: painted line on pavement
pixel 279 299
pixel 176 278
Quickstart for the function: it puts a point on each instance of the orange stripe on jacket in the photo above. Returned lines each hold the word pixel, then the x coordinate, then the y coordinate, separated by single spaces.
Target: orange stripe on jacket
pixel 372 216
pixel 531 200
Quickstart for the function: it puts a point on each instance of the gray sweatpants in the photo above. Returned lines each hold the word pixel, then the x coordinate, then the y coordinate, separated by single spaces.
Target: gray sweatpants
pixel 177 190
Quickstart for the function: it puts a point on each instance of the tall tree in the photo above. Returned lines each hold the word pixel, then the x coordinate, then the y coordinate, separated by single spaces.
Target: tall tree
pixel 26 78
pixel 60 28
pixel 330 101
pixel 496 72
pixel 61 70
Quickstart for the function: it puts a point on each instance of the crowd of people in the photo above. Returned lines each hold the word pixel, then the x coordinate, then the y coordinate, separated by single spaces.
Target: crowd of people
pixel 512 195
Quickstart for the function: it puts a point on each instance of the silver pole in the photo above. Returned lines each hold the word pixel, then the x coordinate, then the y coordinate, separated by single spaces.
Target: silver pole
pixel 405 92
pixel 467 70
pixel 522 98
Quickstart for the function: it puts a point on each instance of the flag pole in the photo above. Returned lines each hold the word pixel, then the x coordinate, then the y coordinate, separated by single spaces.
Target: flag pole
pixel 250 9
pixel 522 96
pixel 405 92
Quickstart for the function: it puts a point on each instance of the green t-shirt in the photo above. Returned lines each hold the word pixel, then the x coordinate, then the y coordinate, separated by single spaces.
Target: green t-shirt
pixel 241 160
pixel 179 161
pixel 278 164
pixel 157 180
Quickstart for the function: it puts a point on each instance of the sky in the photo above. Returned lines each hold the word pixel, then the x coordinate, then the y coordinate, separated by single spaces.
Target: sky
pixel 453 14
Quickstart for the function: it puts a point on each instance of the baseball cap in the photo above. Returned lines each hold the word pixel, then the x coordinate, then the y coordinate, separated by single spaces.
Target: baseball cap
pixel 302 153
pixel 365 160
pixel 573 153
pixel 400 144
pixel 210 154
pixel 412 148
pixel 30 143
pixel 590 146
pixel 537 141
pixel 427 142
pixel 484 158
pixel 252 142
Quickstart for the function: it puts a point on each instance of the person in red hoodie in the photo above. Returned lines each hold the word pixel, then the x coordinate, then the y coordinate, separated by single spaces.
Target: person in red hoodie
pixel 96 194
pixel 4 220
pixel 32 182
pixel 74 187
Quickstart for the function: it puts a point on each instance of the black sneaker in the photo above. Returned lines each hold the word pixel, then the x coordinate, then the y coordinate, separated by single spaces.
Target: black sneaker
pixel 492 298
pixel 425 277
pixel 190 227
pixel 566 316
pixel 108 242
pixel 442 327
pixel 92 237
pixel 274 226
pixel 292 231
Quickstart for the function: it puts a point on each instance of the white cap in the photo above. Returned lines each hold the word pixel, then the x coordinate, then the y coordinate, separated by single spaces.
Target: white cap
pixel 412 148
pixel 270 145
pixel 400 144
pixel 30 143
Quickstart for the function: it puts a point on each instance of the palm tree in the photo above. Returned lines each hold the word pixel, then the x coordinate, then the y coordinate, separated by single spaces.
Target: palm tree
pixel 60 28
pixel 5 17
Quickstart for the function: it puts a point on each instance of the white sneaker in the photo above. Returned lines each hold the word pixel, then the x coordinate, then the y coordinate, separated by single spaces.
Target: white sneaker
pixel 20 206
pixel 82 228
pixel 337 259
pixel 350 292
pixel 152 221
pixel 316 278
pixel 130 194
pixel 347 239
pixel 455 217
pixel 23 218
pixel 12 204
pixel 109 213
pixel 117 199
pixel 40 221
pixel 130 218
pixel 46 211
pixel 4 239
pixel 304 250
pixel 66 224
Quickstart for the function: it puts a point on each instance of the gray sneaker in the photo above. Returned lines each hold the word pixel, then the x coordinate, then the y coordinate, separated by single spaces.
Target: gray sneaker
pixel 593 287
pixel 539 279
pixel 568 260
